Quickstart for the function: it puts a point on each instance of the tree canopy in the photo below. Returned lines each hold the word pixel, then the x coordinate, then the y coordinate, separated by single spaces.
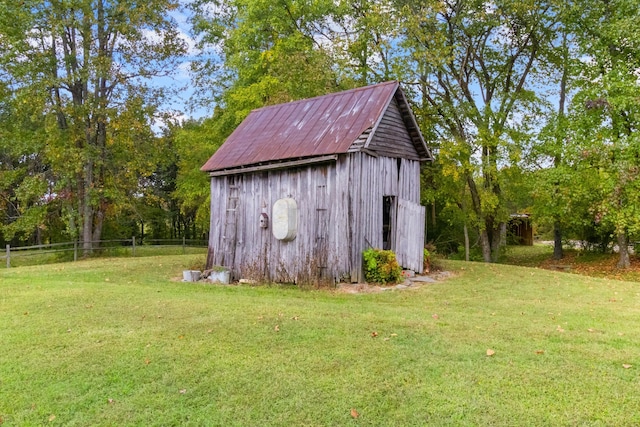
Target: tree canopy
pixel 529 106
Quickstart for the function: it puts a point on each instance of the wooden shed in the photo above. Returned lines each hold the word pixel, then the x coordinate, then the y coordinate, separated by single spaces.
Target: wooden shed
pixel 520 230
pixel 300 190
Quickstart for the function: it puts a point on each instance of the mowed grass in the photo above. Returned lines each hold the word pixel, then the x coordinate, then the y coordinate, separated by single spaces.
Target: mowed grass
pixel 122 342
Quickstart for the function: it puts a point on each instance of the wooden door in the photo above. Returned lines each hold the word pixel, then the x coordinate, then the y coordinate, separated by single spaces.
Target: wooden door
pixel 409 242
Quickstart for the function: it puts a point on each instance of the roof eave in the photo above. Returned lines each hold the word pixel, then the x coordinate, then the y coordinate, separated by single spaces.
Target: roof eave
pixel 273 166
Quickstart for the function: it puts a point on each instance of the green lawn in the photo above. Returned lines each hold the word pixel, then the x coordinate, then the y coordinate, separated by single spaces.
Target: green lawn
pixel 119 342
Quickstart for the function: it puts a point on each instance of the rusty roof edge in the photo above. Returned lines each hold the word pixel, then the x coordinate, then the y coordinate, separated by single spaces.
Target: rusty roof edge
pixel 412 119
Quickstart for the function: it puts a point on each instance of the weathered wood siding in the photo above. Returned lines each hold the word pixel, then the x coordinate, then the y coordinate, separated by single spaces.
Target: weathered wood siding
pixel 340 214
pixel 391 138
pixel 363 181
pixel 409 243
pixel 317 253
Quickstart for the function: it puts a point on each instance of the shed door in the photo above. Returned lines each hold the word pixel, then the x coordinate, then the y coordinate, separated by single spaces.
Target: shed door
pixel 410 235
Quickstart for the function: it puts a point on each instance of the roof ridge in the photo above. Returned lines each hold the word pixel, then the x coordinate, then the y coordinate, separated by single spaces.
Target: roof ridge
pixel 339 92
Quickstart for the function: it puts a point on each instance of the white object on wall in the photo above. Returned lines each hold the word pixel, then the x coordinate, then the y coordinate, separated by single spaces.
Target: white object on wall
pixel 284 219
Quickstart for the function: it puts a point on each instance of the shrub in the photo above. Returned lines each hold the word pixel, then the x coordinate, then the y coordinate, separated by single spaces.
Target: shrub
pixel 381 266
pixel 426 261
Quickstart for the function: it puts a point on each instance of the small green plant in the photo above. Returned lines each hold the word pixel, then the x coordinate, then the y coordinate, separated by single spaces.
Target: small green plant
pixel 381 266
pixel 426 261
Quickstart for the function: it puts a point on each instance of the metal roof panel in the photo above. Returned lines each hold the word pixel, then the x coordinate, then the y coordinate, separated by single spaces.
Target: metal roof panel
pixel 318 126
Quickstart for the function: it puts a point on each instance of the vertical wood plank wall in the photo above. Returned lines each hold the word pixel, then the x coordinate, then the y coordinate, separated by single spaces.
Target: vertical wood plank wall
pixel 368 179
pixel 322 230
pixel 340 209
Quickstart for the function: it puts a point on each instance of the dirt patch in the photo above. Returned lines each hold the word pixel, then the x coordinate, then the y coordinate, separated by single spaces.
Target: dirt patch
pixel 411 283
pixel 362 288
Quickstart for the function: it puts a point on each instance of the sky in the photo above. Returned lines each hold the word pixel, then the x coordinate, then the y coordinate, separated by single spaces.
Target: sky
pixel 181 103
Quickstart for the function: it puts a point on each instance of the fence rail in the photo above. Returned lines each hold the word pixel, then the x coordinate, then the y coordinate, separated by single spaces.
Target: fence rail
pixel 98 246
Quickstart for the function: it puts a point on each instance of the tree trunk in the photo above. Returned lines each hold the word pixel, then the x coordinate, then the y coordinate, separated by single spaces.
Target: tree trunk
pixel 87 210
pixel 497 240
pixel 486 245
pixel 97 226
pixel 623 250
pixel 558 252
pixel 466 242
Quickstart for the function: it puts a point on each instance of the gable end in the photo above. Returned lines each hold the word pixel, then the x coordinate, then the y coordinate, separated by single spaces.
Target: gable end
pixel 391 137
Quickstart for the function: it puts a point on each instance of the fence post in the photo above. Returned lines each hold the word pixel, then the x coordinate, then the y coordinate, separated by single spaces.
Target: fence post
pixel 8 256
pixel 75 251
pixel 133 246
pixel 184 245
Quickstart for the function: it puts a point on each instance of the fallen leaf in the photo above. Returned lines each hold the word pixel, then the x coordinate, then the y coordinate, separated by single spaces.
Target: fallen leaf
pixel 626 366
pixel 68 330
pixel 110 401
pixel 539 351
pixel 295 318
pixel 591 330
pixel 490 352
pixel 181 337
pixel 276 328
pixel 394 335
pixel 106 280
pixel 435 316
pixel 559 329
pixel 374 334
pixel 386 339
pixel 209 331
pixel 354 413
pixel 52 417
pixel 147 361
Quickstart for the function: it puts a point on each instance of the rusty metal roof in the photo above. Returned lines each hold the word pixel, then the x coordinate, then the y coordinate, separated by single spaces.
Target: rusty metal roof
pixel 307 128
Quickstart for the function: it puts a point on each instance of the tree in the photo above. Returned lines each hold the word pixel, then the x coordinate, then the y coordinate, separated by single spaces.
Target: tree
pixel 606 113
pixel 473 65
pixel 93 60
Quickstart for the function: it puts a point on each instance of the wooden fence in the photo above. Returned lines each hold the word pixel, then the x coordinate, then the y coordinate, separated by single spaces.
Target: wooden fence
pixel 100 246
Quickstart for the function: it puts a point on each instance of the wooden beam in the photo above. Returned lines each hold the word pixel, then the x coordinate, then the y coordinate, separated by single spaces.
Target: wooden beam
pixel 275 166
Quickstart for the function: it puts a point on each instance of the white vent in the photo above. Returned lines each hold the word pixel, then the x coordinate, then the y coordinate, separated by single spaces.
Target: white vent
pixel 285 219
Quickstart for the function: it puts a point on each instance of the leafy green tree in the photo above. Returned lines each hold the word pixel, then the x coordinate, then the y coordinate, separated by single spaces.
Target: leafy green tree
pixel 263 53
pixel 605 114
pixel 86 65
pixel 473 66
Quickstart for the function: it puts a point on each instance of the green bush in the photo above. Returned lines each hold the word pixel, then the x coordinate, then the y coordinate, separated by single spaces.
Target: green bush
pixel 381 266
pixel 426 261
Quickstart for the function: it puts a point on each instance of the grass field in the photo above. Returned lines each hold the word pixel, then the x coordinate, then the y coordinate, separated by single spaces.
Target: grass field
pixel 121 341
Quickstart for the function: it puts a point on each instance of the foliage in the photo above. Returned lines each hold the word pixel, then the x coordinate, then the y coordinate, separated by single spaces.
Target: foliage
pixel 426 261
pixel 473 68
pixel 84 68
pixel 381 266
pixel 605 116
